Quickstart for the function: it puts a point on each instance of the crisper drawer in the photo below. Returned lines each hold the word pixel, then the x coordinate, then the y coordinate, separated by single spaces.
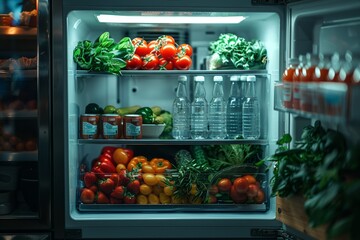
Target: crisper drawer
pixel 151 182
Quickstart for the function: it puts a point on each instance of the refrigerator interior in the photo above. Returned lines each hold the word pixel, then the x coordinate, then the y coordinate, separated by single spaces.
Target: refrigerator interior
pixel 154 89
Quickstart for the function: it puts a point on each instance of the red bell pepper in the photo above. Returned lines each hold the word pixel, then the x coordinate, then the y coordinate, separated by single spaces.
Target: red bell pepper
pixel 103 166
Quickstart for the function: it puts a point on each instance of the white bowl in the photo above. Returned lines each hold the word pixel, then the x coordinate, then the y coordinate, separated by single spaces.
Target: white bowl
pixel 152 130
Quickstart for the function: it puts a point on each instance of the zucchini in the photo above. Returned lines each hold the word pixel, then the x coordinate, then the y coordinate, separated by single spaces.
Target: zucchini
pixel 127 110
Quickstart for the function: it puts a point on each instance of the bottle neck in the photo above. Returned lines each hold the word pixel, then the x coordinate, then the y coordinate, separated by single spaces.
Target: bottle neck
pixel 181 90
pixel 235 89
pixel 250 89
pixel 200 90
pixel 218 90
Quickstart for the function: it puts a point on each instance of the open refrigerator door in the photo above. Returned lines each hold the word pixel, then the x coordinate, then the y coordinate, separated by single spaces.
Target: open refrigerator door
pixel 93 78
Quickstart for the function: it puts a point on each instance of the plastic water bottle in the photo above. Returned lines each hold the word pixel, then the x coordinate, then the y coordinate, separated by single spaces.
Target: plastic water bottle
pixel 234 109
pixel 217 111
pixel 181 111
pixel 199 111
pixel 251 111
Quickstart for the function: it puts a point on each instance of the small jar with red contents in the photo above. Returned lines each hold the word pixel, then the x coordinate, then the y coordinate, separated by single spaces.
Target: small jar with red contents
pixel 287 79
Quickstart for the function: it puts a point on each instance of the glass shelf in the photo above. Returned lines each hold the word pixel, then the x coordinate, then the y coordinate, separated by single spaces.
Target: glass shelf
pixel 18 74
pixel 331 102
pixel 18 114
pixel 26 156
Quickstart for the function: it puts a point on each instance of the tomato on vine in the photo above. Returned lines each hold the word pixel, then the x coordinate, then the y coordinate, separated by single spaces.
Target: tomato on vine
pixel 134 63
pixel 185 49
pixel 168 51
pixel 165 64
pixel 183 62
pixel 150 62
pixel 141 46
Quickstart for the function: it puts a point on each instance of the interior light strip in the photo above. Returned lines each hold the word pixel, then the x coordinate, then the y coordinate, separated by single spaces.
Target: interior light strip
pixel 169 19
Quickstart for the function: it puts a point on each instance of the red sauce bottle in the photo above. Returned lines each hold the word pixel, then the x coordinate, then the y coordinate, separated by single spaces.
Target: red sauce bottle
pixel 307 89
pixel 296 81
pixel 287 79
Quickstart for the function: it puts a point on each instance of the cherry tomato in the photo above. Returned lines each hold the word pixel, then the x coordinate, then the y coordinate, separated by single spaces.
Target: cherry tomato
pixel 150 179
pixel 237 197
pixel 184 49
pixel 165 39
pixel 260 197
pixel 154 47
pixel 150 62
pixel 224 185
pixel 141 47
pixel 250 178
pixel 87 196
pixel 183 63
pixel 134 63
pixel 252 190
pixel 168 51
pixel 241 185
pixel 165 64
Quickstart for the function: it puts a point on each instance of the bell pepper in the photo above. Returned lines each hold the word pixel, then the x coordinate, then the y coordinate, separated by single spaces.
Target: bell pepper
pixel 147 115
pixel 137 163
pixel 160 164
pixel 102 166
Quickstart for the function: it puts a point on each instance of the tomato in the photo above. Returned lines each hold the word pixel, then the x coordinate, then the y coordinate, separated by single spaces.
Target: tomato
pixel 164 199
pixel 153 199
pixel 183 62
pixel 102 198
pixel 120 156
pixel 134 186
pixel 260 197
pixel 87 196
pixel 147 169
pixel 161 180
pixel 165 64
pixel 150 62
pixel 252 190
pixel 145 189
pixel 129 199
pixel 119 167
pixel 241 185
pixel 141 199
pixel 250 178
pixel 184 49
pixel 168 51
pixel 224 185
pixel 154 47
pixel 169 190
pixel 236 196
pixel 106 185
pixel 165 39
pixel 134 63
pixel 141 47
pixel 213 189
pixel 150 179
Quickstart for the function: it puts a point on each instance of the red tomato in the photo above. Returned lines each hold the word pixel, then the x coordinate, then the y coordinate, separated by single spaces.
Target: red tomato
pixel 236 196
pixel 213 189
pixel 183 63
pixel 252 190
pixel 165 64
pixel 250 178
pixel 150 62
pixel 141 47
pixel 168 51
pixel 241 185
pixel 129 199
pixel 134 63
pixel 87 196
pixel 154 47
pixel 260 197
pixel 102 198
pixel 224 185
pixel 165 39
pixel 184 49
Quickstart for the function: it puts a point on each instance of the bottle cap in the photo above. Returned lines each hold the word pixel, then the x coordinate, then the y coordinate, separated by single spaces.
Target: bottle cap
pixel 243 78
pixel 218 78
pixel 199 78
pixel 182 78
pixel 251 78
pixel 234 78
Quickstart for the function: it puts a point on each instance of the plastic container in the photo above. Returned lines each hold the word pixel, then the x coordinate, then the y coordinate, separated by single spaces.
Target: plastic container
pixel 251 111
pixel 181 111
pixel 217 111
pixel 199 111
pixel 234 109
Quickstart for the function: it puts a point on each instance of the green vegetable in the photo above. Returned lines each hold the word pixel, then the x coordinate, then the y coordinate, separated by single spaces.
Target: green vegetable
pixel 165 117
pixel 127 110
pixel 93 108
pixel 104 55
pixel 147 115
pixel 231 51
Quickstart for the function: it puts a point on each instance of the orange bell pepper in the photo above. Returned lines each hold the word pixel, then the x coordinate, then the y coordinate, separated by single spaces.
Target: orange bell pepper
pixel 160 164
pixel 137 163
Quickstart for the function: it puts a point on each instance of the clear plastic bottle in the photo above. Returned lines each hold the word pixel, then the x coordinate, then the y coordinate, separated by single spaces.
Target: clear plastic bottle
pixel 251 111
pixel 199 111
pixel 234 109
pixel 217 111
pixel 181 111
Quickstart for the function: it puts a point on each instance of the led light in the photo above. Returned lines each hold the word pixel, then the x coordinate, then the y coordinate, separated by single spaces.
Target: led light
pixel 170 19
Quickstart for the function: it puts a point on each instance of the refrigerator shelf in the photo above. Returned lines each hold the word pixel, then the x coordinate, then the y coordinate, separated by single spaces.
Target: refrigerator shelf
pixel 331 102
pixel 26 156
pixel 111 208
pixel 172 141
pixel 85 73
pixel 18 114
pixel 18 31
pixel 18 74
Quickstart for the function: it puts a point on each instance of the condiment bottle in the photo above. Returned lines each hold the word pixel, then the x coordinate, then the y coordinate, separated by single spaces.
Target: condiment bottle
pixel 287 78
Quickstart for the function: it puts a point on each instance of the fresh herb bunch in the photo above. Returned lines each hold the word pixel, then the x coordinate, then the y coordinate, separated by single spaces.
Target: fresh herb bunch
pixel 327 173
pixel 103 55
pixel 233 51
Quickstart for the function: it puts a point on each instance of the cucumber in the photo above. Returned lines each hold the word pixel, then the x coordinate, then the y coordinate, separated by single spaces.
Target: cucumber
pixel 127 110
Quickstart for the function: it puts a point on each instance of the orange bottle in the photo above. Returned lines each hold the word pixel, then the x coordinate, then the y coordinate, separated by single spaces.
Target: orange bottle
pixel 296 81
pixel 306 78
pixel 287 79
pixel 333 74
pixel 320 76
pixel 347 68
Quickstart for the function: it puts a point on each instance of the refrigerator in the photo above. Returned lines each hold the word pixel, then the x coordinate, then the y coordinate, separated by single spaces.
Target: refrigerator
pixel 25 160
pixel 286 29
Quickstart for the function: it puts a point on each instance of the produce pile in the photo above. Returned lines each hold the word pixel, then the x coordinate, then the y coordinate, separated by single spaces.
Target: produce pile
pixel 233 52
pixel 323 169
pixel 119 176
pixel 150 115
pixel 106 55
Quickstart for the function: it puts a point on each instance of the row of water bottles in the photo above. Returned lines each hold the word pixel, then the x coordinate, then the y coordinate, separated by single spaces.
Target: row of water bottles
pixel 237 117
